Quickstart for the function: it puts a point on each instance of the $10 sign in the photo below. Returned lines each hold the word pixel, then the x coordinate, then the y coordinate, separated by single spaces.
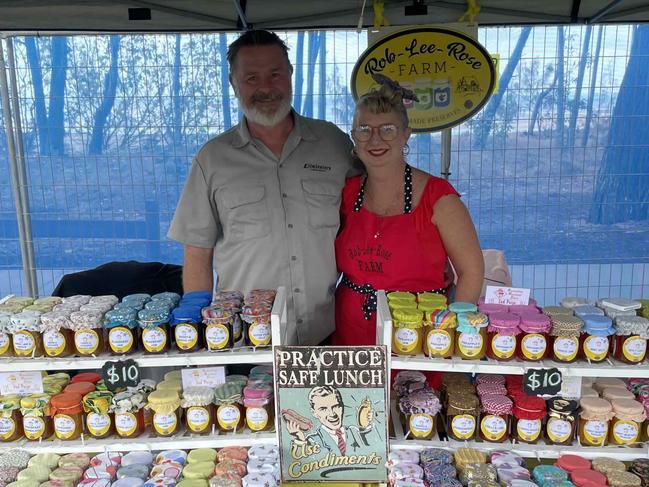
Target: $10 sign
pixel 122 374
pixel 540 382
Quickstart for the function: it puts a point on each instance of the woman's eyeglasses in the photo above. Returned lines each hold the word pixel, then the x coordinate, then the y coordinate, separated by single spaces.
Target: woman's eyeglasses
pixel 387 132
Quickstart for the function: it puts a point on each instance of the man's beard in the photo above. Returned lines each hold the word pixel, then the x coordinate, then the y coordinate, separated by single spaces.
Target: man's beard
pixel 267 119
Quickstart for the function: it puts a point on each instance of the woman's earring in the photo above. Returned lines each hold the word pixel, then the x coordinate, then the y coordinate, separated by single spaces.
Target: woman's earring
pixel 405 150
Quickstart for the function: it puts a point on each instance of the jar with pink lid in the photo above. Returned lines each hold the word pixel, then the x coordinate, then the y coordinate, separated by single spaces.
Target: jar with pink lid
pixel 495 418
pixel 533 340
pixel 258 401
pixel 502 335
pixel 256 317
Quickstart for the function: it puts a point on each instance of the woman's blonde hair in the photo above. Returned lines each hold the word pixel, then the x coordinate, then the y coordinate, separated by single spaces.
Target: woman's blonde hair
pixel 383 100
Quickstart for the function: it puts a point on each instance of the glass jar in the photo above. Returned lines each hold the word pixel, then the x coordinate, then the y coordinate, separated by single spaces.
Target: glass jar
pixel 198 409
pixel 401 298
pixel 188 328
pixel 566 331
pixel 260 411
pixel 219 330
pixel 625 427
pixel 89 336
pixel 96 405
pixel 631 337
pixel 11 428
pixel 561 426
pixel 407 332
pixel 232 302
pixel 462 307
pixel 123 332
pixel 439 333
pixel 594 421
pixel 6 347
pixel 165 405
pixel 230 414
pixel 26 337
pixel 154 325
pixel 495 418
pixel 594 343
pixel 37 417
pixel 533 340
pixel 58 338
pixel 419 409
pixel 256 318
pixel 502 336
pixel 471 335
pixel 67 412
pixel 529 413
pixel 128 411
pixel 462 412
pixel 429 302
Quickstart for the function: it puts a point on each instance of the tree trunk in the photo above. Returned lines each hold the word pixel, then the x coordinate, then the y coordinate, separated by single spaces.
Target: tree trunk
pixel 34 61
pixel 593 81
pixel 538 104
pixel 225 84
pixel 561 85
pixel 299 72
pixel 574 109
pixel 622 191
pixel 57 94
pixel 111 80
pixel 314 41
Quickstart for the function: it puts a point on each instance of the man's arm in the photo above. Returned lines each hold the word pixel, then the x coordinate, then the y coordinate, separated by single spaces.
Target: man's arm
pixel 197 269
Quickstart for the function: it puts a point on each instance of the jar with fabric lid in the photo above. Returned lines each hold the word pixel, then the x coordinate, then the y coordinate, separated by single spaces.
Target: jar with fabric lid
pixel 493 308
pixel 404 296
pixel 615 393
pixel 166 412
pixel 99 422
pixel 529 413
pixel 471 335
pixel 260 411
pixel 431 301
pixel 407 332
pixel 462 412
pixel 154 325
pixel 644 308
pixel 37 417
pixel 533 340
pixel 594 341
pixel 439 332
pixel 570 302
pixel 553 311
pixel 189 333
pixel 495 418
pixel 6 347
pixel 594 421
pixel 625 427
pixel 632 333
pixel 26 334
pixel 123 331
pixel 198 409
pixel 502 335
pixel 256 318
pixel 561 425
pixel 566 331
pixel 167 296
pixel 419 409
pixel 137 299
pixel 82 388
pixel 219 331
pixel 89 336
pixel 230 414
pixel 67 411
pixel 233 307
pixel 11 427
pixel 458 307
pixel 586 310
pixel 58 338
pixel 21 300
pixel 128 411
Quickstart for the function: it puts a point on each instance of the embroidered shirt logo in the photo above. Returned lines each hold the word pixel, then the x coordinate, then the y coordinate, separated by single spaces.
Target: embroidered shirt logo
pixel 317 167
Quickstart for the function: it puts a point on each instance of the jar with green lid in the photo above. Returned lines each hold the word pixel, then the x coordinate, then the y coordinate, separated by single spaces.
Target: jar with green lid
pixel 37 416
pixel 407 331
pixel 99 421
pixel 154 325
pixel 230 413
pixel 562 420
pixel 471 335
pixel 6 347
pixel 165 405
pixel 123 331
pixel 462 413
pixel 401 296
pixel 432 299
pixel 11 427
pixel 198 407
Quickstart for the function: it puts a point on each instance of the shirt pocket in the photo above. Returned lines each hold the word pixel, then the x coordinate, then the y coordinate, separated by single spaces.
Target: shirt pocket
pixel 246 212
pixel 323 202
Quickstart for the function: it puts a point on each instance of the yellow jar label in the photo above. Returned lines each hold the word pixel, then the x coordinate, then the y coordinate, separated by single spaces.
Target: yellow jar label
pixel 217 336
pixel 198 418
pixel 405 340
pixel 186 336
pixel 533 346
pixel 120 339
pixel 86 341
pixel 7 428
pixel 34 427
pixel 165 424
pixel 595 432
pixel 259 334
pixel 125 424
pixel 54 343
pixel 439 342
pixel 625 432
pixel 566 349
pixel 634 348
pixel 503 346
pixel 24 343
pixel 559 430
pixel 64 426
pixel 4 343
pixel 528 429
pixel 470 345
pixel 154 339
pixel 256 418
pixel 596 348
pixel 493 427
pixel 463 426
pixel 98 424
pixel 421 425
pixel 228 416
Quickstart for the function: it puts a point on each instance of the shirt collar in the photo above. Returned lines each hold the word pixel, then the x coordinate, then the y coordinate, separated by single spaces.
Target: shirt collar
pixel 333 432
pixel 301 130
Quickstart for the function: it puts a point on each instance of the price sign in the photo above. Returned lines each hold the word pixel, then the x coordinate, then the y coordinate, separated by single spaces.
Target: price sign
pixel 21 383
pixel 122 374
pixel 541 382
pixel 205 377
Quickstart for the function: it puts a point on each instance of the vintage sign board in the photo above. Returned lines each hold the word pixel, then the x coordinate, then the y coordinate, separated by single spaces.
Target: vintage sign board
pixel 332 414
pixel 451 73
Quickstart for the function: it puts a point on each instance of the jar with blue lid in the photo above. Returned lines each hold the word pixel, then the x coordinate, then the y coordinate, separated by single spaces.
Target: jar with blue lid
pixel 188 327
pixel 154 326
pixel 595 341
pixel 123 331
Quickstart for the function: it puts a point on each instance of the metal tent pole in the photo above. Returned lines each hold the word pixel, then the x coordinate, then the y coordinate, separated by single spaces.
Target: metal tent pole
pixel 445 162
pixel 18 180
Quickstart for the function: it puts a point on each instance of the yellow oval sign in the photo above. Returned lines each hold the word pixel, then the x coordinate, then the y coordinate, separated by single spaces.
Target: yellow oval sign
pixel 452 74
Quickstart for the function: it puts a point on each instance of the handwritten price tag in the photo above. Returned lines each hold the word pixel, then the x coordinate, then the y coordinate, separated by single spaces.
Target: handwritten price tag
pixel 509 296
pixel 121 374
pixel 541 382
pixel 204 377
pixel 21 383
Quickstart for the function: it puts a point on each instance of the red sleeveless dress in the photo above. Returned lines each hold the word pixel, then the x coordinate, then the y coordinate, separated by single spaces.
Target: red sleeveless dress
pixel 394 253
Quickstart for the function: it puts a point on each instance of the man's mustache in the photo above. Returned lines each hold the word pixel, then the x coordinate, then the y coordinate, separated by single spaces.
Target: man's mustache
pixel 264 97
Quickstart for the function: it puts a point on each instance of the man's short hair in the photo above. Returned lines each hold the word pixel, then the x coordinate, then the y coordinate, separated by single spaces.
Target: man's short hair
pixel 323 391
pixel 255 38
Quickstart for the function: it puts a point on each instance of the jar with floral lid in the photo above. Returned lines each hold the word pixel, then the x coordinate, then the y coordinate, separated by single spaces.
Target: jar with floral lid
pixel 37 417
pixel 198 409
pixel 123 331
pixel 471 335
pixel 462 413
pixel 137 299
pixel 187 323
pixel 439 333
pixel 89 336
pixel 67 411
pixel 594 421
pixel 561 425
pixel 6 347
pixel 260 410
pixel 234 307
pixel 256 318
pixel 533 340
pixel 154 325
pixel 632 333
pixel 407 331
pixel 502 335
pixel 230 414
pixel 529 413
pixel 565 332
pixel 11 427
pixel 420 409
pixel 168 296
pixel 594 341
pixel 128 411
pixel 99 421
pixel 58 337
pixel 495 418
pixel 625 427
pixel 26 334
pixel 165 405
pixel 219 328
